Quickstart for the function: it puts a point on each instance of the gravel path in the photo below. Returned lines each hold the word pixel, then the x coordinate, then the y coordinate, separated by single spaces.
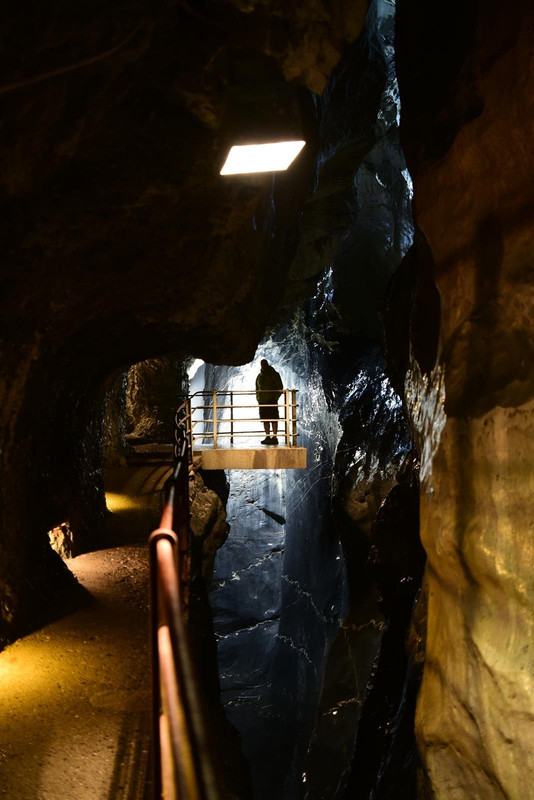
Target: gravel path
pixel 75 695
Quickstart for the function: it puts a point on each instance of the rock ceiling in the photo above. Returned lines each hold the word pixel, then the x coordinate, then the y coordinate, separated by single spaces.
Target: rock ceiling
pixel 117 218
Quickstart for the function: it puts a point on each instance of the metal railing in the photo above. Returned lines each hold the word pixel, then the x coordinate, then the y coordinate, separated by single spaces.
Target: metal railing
pixel 183 757
pixel 219 421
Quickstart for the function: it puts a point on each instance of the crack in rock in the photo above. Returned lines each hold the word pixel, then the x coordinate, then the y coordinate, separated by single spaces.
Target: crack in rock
pixel 236 576
pixel 304 593
pixel 298 648
pixel 253 704
pixel 341 704
pixel 243 686
pixel 378 625
pixel 221 636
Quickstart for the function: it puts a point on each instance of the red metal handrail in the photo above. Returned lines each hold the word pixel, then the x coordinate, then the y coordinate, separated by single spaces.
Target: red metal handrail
pixel 183 756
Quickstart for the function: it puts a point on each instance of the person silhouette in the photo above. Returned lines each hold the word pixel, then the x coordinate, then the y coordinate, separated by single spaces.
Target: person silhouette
pixel 269 387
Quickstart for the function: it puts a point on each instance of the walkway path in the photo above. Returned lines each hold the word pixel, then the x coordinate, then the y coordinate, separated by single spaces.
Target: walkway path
pixel 75 696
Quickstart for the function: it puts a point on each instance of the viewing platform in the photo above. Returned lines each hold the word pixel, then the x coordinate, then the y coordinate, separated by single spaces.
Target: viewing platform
pixel 261 457
pixel 227 435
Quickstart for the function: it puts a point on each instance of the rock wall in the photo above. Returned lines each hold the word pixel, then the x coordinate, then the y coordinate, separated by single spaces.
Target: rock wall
pixel 155 389
pixel 120 241
pixel 277 595
pixel 306 629
pixel 467 126
pixel 116 448
pixel 207 493
pixel 302 624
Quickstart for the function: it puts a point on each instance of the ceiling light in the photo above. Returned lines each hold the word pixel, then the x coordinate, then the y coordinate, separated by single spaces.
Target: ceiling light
pixel 261 122
pixel 267 157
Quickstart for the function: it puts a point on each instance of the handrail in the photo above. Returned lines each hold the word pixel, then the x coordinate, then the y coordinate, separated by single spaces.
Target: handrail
pixel 183 760
pixel 220 430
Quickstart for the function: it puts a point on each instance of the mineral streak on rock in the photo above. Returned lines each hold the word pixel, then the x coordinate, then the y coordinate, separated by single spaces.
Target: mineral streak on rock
pixel 425 402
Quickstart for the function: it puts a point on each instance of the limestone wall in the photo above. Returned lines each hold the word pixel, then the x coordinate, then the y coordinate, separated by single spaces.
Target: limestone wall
pixel 468 129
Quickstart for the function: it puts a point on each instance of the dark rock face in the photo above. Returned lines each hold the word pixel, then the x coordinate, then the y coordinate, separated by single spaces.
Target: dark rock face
pixel 116 448
pixel 210 529
pixel 155 389
pixel 372 458
pixel 296 621
pixel 303 625
pixel 359 192
pixel 276 595
pixel 384 762
pixel 208 523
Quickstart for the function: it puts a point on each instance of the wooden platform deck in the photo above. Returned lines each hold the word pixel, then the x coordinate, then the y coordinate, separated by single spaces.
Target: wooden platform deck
pixel 260 457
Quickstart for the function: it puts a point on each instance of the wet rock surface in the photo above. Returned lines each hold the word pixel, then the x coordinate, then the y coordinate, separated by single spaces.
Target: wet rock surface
pixel 208 522
pixel 298 608
pixel 116 448
pixel 472 403
pixel 384 761
pixel 297 657
pixel 245 599
pixel 154 391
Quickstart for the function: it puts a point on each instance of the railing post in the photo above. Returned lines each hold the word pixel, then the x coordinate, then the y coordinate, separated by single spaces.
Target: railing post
pixel 156 688
pixel 190 430
pixel 288 442
pixel 294 415
pixel 231 417
pixel 214 420
pixel 181 511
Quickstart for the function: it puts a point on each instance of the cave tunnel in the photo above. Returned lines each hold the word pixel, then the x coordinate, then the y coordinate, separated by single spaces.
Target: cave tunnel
pixel 362 627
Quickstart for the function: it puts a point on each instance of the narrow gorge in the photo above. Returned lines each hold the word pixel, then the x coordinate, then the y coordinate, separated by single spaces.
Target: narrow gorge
pixel 364 625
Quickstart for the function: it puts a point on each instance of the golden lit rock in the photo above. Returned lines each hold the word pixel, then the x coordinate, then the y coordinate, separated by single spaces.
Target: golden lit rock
pixel 474 197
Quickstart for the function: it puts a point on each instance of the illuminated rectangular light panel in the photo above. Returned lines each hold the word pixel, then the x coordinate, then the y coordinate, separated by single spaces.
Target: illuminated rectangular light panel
pixel 270 157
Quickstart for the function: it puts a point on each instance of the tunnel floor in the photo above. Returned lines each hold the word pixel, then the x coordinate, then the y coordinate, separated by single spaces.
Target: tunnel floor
pixel 75 695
